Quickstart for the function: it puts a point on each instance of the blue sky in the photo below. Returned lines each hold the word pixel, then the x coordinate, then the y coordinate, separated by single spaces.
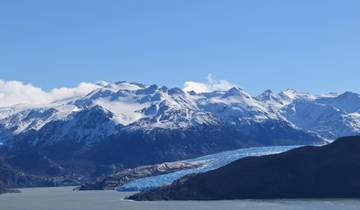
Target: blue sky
pixel 306 45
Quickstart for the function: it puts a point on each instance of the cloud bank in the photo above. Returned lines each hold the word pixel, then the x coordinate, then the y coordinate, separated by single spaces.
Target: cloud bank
pixel 211 85
pixel 15 92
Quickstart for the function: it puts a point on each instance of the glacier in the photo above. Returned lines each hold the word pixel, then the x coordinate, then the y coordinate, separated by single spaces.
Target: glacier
pixel 208 162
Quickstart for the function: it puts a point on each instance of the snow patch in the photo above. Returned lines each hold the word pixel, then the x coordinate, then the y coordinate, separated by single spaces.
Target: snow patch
pixel 124 111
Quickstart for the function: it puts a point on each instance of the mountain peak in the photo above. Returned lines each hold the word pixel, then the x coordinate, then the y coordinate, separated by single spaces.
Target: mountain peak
pixel 268 92
pixel 102 83
pixel 148 90
pixel 349 94
pixel 236 91
pixel 291 94
pixel 266 95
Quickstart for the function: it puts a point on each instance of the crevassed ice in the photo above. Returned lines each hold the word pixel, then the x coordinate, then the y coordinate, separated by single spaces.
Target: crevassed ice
pixel 210 162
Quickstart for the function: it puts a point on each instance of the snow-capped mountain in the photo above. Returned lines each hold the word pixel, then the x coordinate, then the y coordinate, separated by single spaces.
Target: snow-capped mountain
pixel 117 117
pixel 138 106
pixel 330 116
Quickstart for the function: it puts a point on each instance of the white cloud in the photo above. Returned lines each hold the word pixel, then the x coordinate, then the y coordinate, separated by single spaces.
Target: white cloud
pixel 81 90
pixel 211 85
pixel 15 92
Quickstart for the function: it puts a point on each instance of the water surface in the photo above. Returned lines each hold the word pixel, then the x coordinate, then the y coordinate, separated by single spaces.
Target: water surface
pixel 63 198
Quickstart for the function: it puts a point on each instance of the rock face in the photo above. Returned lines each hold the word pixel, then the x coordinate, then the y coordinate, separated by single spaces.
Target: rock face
pixel 128 175
pixel 330 171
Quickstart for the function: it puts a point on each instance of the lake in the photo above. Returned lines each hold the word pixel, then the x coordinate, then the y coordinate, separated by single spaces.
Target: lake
pixel 63 198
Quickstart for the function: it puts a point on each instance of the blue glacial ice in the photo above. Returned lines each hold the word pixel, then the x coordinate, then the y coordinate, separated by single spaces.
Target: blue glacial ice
pixel 209 162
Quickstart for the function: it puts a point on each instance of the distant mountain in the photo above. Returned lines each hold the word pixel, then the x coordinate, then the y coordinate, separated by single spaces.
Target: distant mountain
pixel 132 124
pixel 134 106
pixel 329 171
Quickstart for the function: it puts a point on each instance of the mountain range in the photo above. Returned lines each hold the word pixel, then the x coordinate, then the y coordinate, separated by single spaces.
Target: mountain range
pixel 125 124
